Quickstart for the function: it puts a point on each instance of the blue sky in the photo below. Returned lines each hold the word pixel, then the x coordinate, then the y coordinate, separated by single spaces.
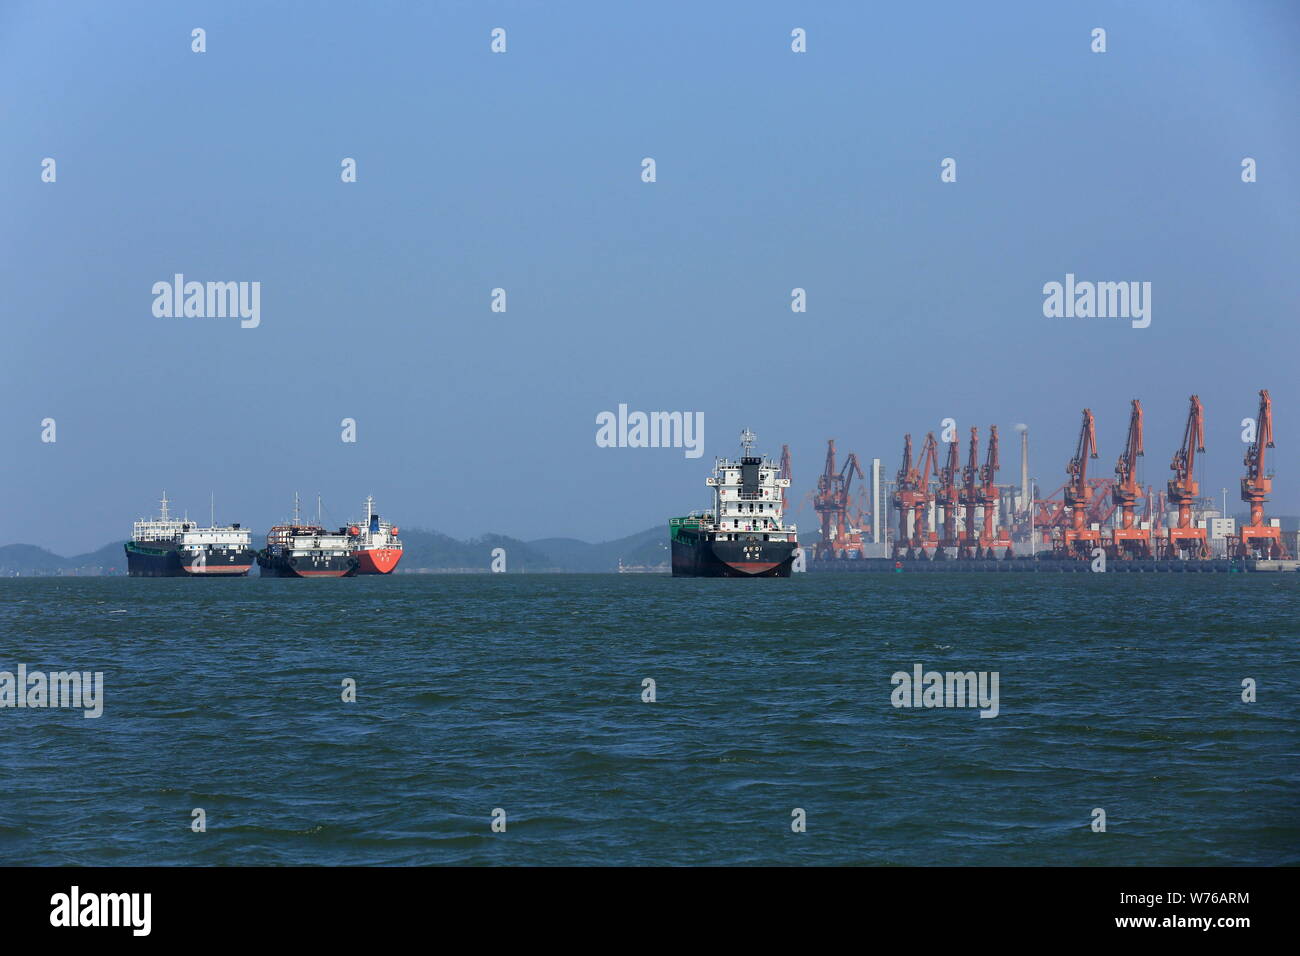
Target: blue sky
pixel 775 170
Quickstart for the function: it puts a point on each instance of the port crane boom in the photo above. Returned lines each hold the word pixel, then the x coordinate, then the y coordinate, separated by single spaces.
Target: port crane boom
pixel 1079 539
pixel 991 539
pixel 1258 539
pixel 922 537
pixel 970 497
pixel 1184 488
pixel 904 498
pixel 948 496
pixel 1130 539
pixel 832 503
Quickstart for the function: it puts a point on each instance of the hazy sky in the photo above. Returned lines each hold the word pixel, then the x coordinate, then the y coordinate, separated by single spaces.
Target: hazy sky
pixel 522 170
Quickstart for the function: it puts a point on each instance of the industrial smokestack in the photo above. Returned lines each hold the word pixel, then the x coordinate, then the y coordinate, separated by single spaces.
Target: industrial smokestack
pixel 1025 501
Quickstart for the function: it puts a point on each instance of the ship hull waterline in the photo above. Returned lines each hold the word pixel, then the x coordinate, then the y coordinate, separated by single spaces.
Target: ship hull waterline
pixel 733 559
pixel 324 566
pixel 377 560
pixel 146 562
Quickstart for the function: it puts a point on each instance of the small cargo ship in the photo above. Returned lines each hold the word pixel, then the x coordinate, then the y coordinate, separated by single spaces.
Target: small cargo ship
pixel 743 535
pixel 167 547
pixel 298 550
pixel 375 544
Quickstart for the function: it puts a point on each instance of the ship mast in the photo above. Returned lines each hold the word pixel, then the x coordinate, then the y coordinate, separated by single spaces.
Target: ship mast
pixel 296 518
pixel 747 439
pixel 165 515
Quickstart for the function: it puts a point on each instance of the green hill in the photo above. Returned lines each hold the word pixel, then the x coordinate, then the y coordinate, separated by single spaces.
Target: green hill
pixel 28 559
pixel 111 557
pixel 432 550
pixel 646 548
pixel 23 558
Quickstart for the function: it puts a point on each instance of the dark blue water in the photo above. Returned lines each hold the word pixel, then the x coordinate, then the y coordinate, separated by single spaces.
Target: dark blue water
pixel 524 692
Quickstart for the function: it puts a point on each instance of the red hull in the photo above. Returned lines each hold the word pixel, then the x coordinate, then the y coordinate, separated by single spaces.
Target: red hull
pixel 377 560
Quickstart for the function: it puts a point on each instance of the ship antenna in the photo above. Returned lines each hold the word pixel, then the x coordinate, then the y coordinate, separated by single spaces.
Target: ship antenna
pixel 747 439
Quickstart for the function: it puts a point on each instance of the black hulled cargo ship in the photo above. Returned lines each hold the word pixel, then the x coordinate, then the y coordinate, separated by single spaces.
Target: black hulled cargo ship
pixel 743 535
pixel 166 547
pixel 298 550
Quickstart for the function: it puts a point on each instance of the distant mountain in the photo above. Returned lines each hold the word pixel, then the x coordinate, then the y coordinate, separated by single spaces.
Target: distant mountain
pixel 110 557
pixel 434 551
pixel 27 559
pixel 647 548
pixel 423 550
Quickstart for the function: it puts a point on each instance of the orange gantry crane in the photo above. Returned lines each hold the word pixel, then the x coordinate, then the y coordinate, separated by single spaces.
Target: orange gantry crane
pixel 912 499
pixel 1185 539
pixel 1257 539
pixel 832 504
pixel 970 497
pixel 904 497
pixel 1079 538
pixel 1130 539
pixel 905 483
pixel 864 516
pixel 991 539
pixel 1154 514
pixel 923 538
pixel 948 497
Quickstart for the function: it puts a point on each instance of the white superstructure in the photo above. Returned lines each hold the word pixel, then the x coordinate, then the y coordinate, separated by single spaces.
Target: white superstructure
pixel 374 533
pixel 201 539
pixel 747 497
pixel 315 541
pixel 186 534
pixel 163 528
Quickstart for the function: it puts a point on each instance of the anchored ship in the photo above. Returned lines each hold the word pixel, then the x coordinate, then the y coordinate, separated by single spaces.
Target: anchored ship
pixel 743 535
pixel 374 543
pixel 298 550
pixel 167 547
